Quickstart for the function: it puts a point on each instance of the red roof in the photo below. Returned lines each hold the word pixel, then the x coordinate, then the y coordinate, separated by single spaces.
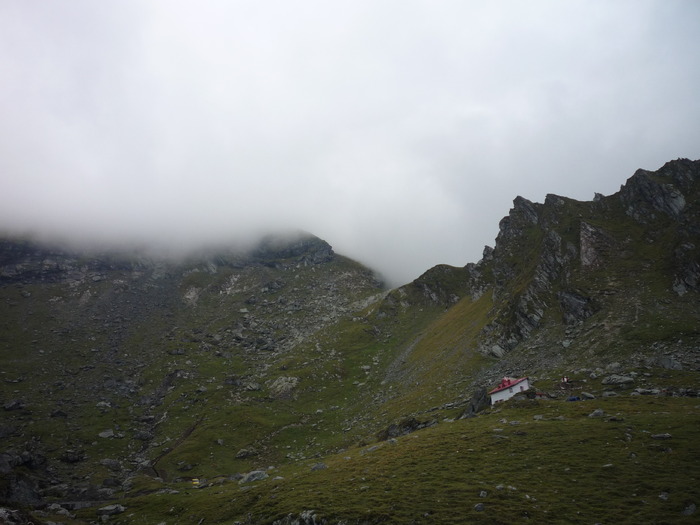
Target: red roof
pixel 507 382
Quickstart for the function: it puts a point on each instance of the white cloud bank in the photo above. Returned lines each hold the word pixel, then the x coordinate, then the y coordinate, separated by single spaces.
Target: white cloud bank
pixel 399 131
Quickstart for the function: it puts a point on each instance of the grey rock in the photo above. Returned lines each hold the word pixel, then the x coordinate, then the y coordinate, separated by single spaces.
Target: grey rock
pixel 690 510
pixel 111 510
pixel 669 363
pixel 255 475
pixel 587 395
pixel 55 508
pixel 7 430
pixel 403 428
pixel 479 507
pixel 617 380
pixel 10 517
pixel 111 464
pixel 648 391
pixel 575 309
pixel 246 453
pixel 478 402
pixel 613 367
pixel 282 387
pixel 319 466
pixel 661 436
pixel 646 193
pixel 143 435
pixel 306 517
pixel 598 412
pixel 13 404
pixel 73 456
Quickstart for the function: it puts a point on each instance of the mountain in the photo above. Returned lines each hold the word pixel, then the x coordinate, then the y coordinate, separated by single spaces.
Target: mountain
pixel 293 387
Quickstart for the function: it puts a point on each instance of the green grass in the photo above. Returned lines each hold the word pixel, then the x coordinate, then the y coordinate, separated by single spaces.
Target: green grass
pixel 563 467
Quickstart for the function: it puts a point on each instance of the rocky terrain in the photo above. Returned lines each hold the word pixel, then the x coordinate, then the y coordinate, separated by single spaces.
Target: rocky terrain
pixel 134 385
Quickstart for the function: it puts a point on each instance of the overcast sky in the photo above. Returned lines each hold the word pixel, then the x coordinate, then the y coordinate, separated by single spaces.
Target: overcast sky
pixel 399 131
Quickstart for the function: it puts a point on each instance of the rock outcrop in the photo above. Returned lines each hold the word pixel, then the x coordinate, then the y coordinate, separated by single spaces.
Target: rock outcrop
pixel 570 257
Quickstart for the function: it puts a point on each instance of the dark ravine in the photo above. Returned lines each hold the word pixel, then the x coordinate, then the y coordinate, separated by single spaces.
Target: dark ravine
pixel 119 370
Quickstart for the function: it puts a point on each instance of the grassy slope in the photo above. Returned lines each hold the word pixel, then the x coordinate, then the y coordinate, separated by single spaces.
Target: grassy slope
pixel 561 467
pixel 409 356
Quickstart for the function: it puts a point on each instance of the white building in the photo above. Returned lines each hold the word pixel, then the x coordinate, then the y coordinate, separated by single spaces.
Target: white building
pixel 508 387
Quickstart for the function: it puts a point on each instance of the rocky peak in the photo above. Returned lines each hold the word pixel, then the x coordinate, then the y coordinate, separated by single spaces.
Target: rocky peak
pixel 303 247
pixel 662 191
pixel 543 249
pixel 524 213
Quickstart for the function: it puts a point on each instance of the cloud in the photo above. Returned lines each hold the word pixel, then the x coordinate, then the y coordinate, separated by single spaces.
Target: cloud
pixel 398 131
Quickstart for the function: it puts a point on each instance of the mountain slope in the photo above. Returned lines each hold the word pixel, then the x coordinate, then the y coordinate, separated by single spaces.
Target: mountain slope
pixel 127 376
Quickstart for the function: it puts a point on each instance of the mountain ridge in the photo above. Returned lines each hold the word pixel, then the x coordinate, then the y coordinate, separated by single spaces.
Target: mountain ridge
pixel 226 363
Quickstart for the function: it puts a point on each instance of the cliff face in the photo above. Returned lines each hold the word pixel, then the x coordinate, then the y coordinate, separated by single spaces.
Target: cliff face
pixel 628 264
pixel 563 260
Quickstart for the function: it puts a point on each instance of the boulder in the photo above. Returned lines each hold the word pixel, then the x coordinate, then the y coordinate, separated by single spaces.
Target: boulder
pixel 255 475
pixel 282 387
pixel 615 379
pixel 246 453
pixel 111 510
pixel 669 363
pixel 13 404
pixel 478 402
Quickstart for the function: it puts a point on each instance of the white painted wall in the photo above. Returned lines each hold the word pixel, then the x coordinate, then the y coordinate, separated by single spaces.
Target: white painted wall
pixel 507 393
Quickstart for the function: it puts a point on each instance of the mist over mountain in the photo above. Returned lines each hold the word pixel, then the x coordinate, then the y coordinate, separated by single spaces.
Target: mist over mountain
pixel 397 131
pixel 349 262
pixel 285 383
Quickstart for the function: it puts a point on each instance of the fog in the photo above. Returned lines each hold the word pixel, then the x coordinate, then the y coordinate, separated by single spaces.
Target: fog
pixel 398 131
